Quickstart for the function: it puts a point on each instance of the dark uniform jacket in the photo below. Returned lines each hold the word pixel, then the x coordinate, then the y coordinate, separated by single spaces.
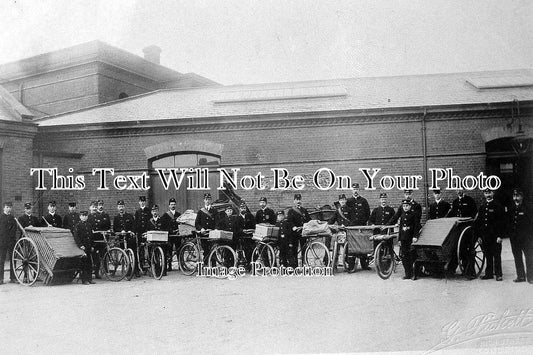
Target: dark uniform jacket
pixel 416 208
pixel 123 222
pixel 520 225
pixel 102 221
pixel 381 215
pixel 31 220
pixel 70 220
pixel 142 217
pixel 83 235
pixel 206 219
pixel 463 207
pixel 8 229
pixel 438 210
pixel 409 226
pixel 265 216
pixel 54 220
pixel 154 224
pixel 226 223
pixel 361 210
pixel 284 231
pixel 344 215
pixel 296 217
pixel 169 222
pixel 490 221
pixel 242 222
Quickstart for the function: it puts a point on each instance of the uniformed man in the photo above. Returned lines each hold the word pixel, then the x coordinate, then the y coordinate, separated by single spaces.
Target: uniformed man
pixel 83 237
pixel 155 220
pixel 142 217
pixel 169 223
pixel 439 208
pixel 381 216
pixel 206 220
pixel 28 219
pixel 409 226
pixel 244 221
pixel 296 217
pixel 8 231
pixel 344 215
pixel 71 218
pixel 489 227
pixel 416 208
pixel 52 219
pixel 227 221
pixel 284 239
pixel 92 214
pixel 463 206
pixel 383 213
pixel 102 221
pixel 362 212
pixel 521 235
pixel 124 223
pixel 265 214
pixel 360 206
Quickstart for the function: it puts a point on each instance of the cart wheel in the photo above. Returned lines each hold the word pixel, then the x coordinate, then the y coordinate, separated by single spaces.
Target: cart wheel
pixel 115 264
pixel 316 254
pixel 189 257
pixel 158 263
pixel 222 255
pixel 264 255
pixel 131 264
pixel 26 261
pixel 469 254
pixel 350 261
pixel 384 260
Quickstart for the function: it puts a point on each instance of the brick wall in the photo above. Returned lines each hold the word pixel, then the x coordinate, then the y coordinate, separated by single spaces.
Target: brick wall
pixel 393 144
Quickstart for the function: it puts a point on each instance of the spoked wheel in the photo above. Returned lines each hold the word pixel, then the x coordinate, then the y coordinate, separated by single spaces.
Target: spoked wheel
pixel 316 254
pixel 350 261
pixel 276 253
pixel 469 254
pixel 131 266
pixel 158 263
pixel 189 258
pixel 384 259
pixel 222 255
pixel 26 261
pixel 264 255
pixel 115 264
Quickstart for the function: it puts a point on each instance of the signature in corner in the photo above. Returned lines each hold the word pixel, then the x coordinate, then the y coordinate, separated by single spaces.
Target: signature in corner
pixel 484 325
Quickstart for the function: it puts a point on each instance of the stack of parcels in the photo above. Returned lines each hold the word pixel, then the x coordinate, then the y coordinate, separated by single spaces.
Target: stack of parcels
pixel 186 222
pixel 265 231
pixel 220 235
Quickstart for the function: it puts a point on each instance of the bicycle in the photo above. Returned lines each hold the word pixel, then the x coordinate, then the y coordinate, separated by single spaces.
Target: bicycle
pixel 129 252
pixel 115 264
pixel 153 261
pixel 192 252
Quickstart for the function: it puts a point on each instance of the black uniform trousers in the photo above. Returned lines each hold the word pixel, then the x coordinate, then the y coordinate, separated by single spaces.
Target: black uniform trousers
pixel 493 254
pixel 520 250
pixel 86 267
pixel 6 251
pixel 99 250
pixel 406 254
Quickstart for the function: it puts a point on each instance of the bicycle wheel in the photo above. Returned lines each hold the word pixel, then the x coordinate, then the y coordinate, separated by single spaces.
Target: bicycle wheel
pixel 189 257
pixel 114 264
pixel 131 265
pixel 316 254
pixel 222 255
pixel 350 261
pixel 275 247
pixel 384 260
pixel 158 263
pixel 264 255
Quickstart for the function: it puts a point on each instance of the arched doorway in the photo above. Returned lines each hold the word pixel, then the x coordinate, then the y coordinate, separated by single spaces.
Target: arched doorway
pixel 194 155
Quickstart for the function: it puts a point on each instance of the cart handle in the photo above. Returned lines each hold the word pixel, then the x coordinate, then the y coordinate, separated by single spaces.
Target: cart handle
pixel 21 228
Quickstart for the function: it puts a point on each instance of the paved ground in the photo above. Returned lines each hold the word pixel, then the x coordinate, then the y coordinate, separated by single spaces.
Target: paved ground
pixel 345 313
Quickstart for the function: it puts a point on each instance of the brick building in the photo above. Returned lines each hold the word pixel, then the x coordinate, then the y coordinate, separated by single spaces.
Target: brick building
pixel 471 122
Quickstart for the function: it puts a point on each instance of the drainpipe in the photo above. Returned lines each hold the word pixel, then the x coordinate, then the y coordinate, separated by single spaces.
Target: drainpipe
pixel 425 159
